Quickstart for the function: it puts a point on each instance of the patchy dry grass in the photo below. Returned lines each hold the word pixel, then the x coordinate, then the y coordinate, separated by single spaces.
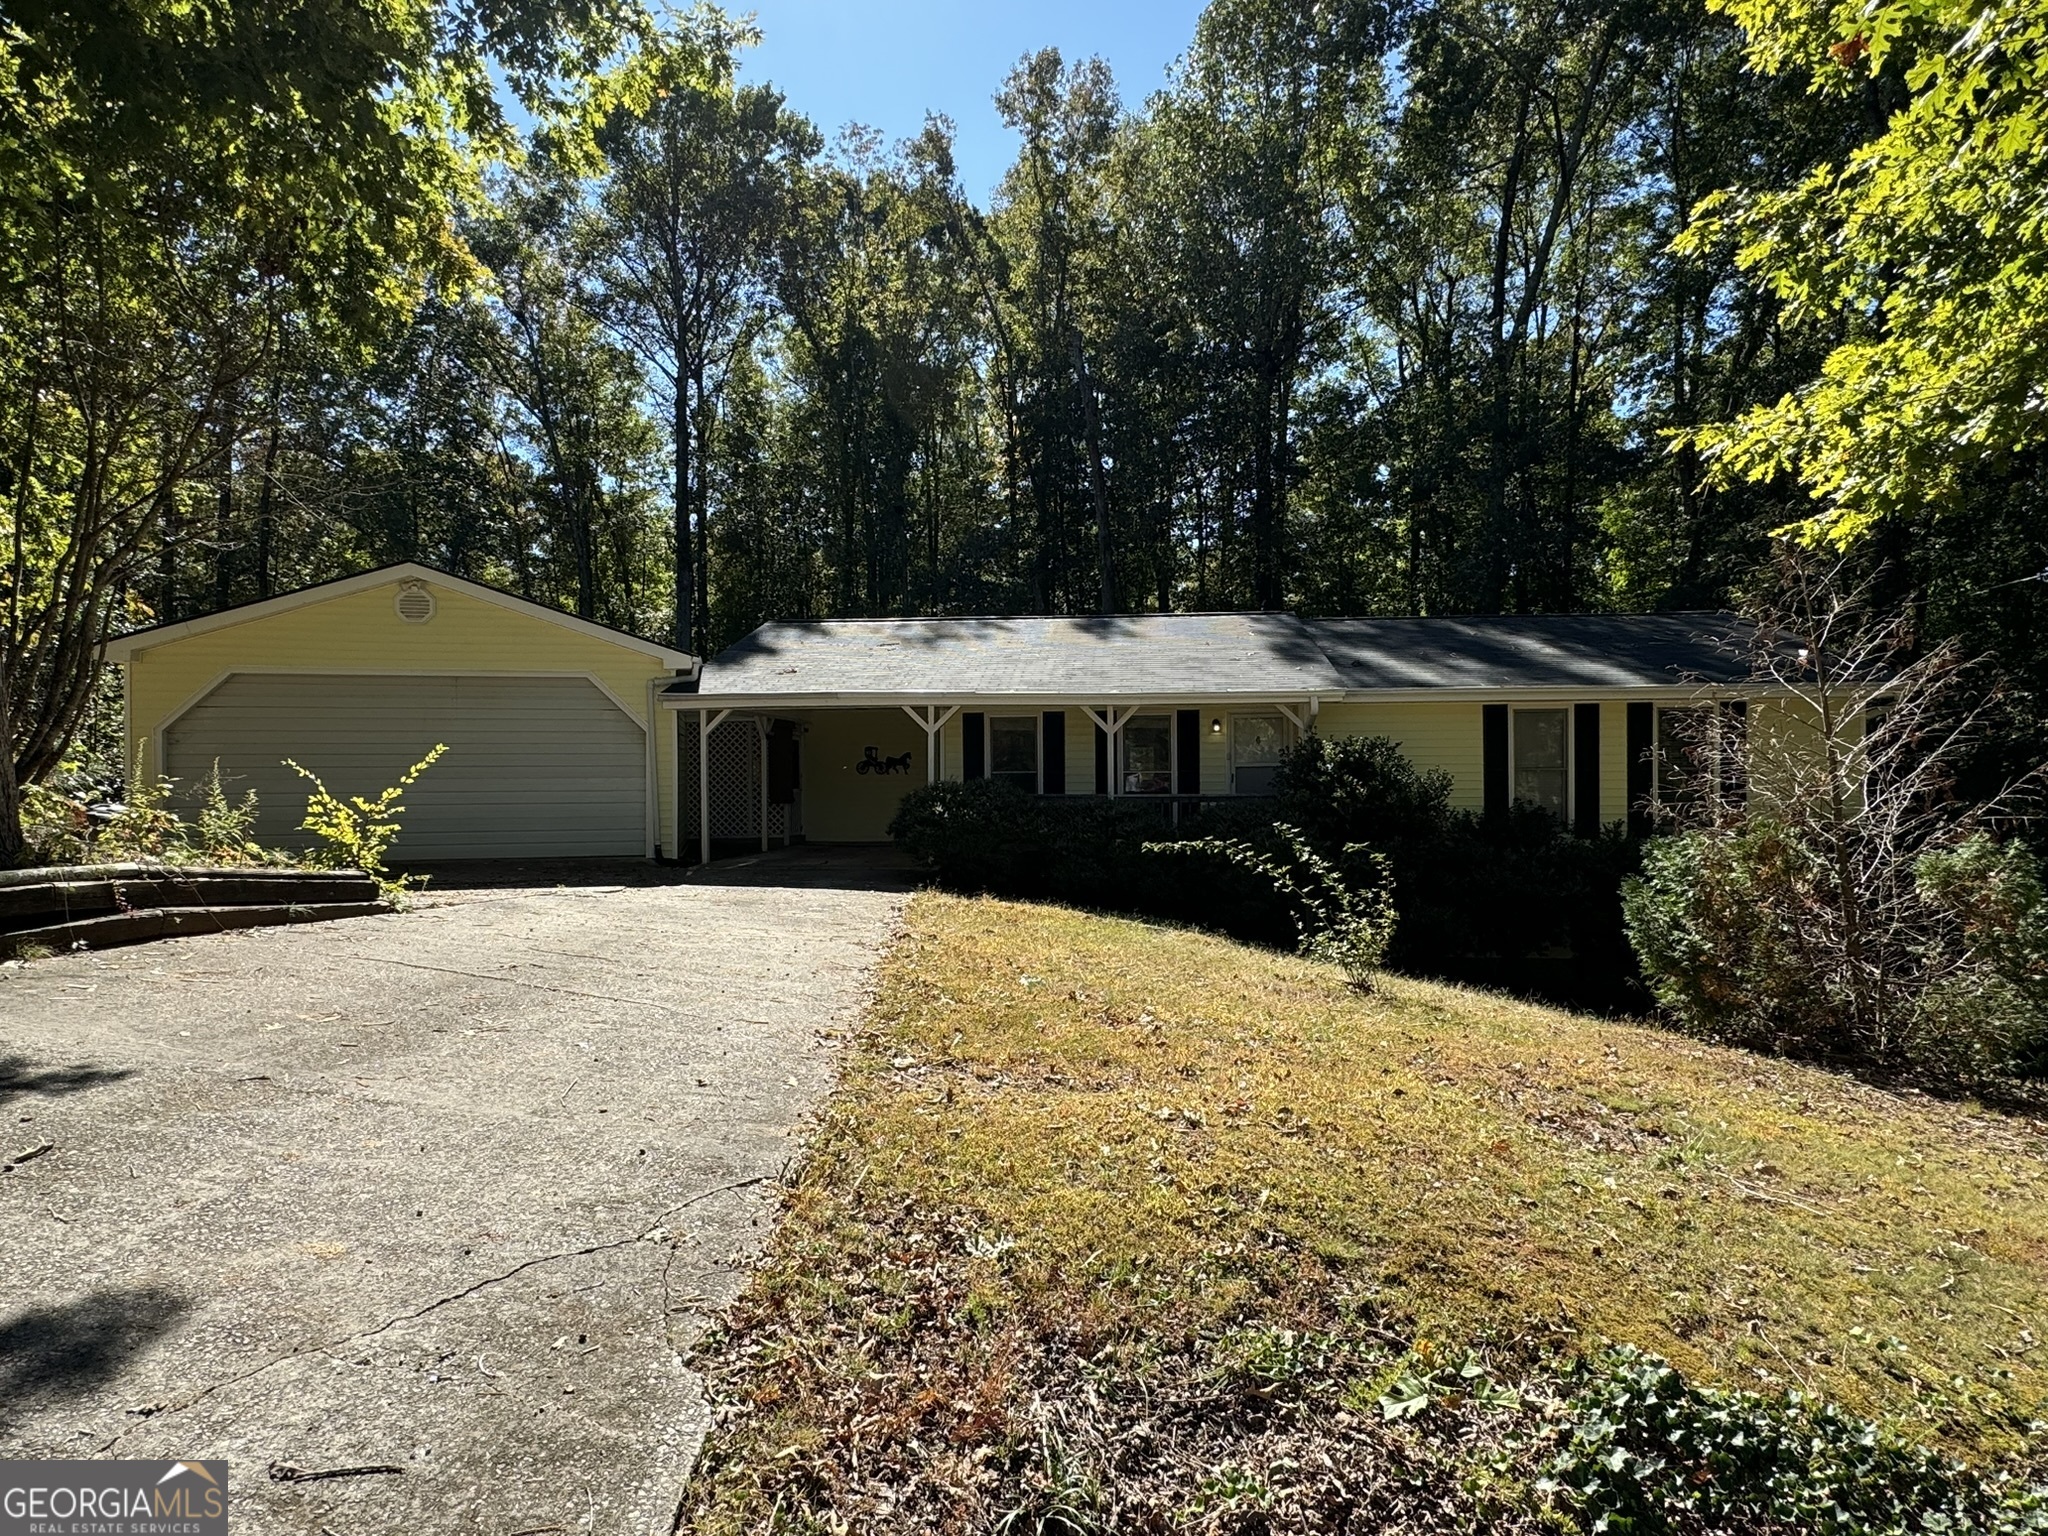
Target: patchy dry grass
pixel 1087 1169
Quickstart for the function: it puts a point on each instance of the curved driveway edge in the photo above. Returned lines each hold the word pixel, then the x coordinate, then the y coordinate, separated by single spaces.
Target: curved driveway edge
pixel 410 1217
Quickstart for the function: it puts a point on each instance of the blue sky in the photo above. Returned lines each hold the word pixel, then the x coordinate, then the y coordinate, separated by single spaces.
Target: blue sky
pixel 886 63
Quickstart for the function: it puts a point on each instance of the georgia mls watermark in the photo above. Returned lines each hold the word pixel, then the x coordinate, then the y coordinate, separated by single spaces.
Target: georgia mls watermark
pixel 113 1498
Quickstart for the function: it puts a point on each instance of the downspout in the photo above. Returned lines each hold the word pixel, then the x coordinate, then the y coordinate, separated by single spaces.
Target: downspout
pixel 654 714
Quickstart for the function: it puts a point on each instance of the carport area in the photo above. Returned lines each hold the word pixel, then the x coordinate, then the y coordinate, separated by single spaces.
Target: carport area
pixel 411 1217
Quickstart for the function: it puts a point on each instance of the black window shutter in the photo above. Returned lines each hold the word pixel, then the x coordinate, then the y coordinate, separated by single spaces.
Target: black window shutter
pixel 1586 769
pixel 1052 751
pixel 1101 761
pixel 1494 755
pixel 1187 725
pixel 1734 721
pixel 1642 729
pixel 973 747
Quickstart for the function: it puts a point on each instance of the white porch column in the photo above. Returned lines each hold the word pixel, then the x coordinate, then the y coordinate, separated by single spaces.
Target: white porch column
pixel 706 724
pixel 761 725
pixel 1113 728
pixel 931 721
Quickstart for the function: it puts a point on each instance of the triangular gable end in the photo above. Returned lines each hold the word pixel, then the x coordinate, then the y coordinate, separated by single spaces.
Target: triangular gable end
pixel 124 647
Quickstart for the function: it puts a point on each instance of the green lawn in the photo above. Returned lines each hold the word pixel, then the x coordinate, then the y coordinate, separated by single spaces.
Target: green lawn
pixel 1084 1172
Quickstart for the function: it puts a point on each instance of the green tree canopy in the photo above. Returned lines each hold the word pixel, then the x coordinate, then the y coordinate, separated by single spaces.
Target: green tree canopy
pixel 1929 242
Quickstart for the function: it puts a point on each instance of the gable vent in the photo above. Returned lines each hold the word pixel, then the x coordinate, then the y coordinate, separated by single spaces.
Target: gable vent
pixel 415 604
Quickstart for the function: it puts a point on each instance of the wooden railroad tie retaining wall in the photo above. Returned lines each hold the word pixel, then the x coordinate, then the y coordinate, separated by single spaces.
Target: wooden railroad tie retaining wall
pixel 98 907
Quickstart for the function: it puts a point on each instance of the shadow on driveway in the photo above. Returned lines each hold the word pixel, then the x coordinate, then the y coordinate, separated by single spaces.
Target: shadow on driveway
pixel 20 1077
pixel 806 866
pixel 51 1353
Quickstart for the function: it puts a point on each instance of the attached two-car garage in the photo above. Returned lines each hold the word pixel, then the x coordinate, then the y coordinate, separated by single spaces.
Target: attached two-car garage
pixel 546 717
pixel 536 767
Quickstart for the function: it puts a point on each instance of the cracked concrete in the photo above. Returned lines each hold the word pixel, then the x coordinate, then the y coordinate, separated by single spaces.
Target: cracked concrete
pixel 433 1200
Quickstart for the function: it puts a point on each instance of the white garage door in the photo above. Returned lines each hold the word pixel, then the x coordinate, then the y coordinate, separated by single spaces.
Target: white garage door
pixel 536 767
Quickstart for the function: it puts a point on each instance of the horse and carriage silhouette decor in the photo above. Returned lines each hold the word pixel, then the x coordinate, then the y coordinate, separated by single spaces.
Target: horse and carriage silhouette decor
pixel 873 762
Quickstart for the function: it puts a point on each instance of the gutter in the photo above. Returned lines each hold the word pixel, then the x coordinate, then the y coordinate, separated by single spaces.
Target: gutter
pixel 1314 700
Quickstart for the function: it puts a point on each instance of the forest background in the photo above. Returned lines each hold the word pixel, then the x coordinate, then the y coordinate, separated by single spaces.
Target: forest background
pixel 1378 307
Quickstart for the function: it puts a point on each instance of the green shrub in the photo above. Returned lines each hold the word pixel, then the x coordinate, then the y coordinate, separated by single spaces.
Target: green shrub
pixel 1087 851
pixel 1739 933
pixel 57 826
pixel 1640 1450
pixel 223 831
pixel 1478 893
pixel 142 825
pixel 357 833
pixel 1512 900
pixel 74 820
pixel 1335 922
pixel 1363 789
pixel 982 835
pixel 1996 999
pixel 1704 919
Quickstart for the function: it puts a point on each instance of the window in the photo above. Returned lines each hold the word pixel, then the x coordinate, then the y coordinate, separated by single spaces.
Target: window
pixel 1147 755
pixel 1256 742
pixel 1698 761
pixel 1013 750
pixel 1684 749
pixel 1542 750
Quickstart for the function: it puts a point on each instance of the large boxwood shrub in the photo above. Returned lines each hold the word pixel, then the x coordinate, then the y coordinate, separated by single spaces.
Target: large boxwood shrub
pixel 1088 851
pixel 1513 900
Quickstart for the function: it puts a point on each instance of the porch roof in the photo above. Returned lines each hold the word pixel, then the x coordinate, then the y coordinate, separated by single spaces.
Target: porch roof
pixel 1265 656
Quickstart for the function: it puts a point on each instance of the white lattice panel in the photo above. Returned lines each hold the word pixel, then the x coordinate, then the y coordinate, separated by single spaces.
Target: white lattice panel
pixel 736 779
pixel 735 785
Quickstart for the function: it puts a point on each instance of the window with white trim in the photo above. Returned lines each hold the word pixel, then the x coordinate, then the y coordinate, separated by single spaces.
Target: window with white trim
pixel 1013 750
pixel 1697 763
pixel 1542 759
pixel 1256 745
pixel 1146 747
pixel 1682 762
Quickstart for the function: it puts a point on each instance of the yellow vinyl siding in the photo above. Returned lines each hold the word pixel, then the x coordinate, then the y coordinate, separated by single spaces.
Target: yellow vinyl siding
pixel 1781 730
pixel 1080 745
pixel 1445 736
pixel 950 749
pixel 360 632
pixel 1613 763
pixel 842 804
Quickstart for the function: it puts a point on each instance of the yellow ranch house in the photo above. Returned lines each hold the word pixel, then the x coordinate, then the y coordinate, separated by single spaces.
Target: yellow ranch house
pixel 568 739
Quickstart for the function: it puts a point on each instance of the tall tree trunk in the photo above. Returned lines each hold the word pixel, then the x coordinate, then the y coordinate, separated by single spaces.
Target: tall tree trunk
pixel 1500 347
pixel 169 534
pixel 700 503
pixel 685 551
pixel 266 506
pixel 224 511
pixel 583 531
pixel 1105 598
pixel 13 841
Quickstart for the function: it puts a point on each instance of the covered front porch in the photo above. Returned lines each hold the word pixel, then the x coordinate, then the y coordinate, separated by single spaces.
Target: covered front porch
pixel 762 771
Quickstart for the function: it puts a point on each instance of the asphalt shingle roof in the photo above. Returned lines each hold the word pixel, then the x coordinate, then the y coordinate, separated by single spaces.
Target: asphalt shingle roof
pixel 1148 653
pixel 1263 654
pixel 1605 650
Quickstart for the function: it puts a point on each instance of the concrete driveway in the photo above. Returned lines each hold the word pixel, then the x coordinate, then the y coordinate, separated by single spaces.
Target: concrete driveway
pixel 409 1217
